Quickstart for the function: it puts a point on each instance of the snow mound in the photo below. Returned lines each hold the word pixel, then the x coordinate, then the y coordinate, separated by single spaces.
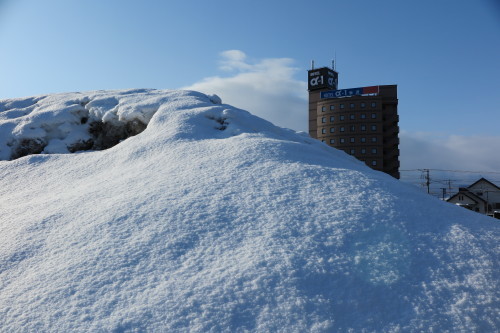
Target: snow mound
pixel 212 219
pixel 71 122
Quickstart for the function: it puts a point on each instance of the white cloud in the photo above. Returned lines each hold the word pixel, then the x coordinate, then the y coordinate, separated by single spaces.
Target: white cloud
pixel 463 159
pixel 452 152
pixel 265 88
pixel 234 59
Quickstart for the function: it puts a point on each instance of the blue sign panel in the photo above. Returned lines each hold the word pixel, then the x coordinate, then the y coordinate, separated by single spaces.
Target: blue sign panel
pixel 349 92
pixel 341 93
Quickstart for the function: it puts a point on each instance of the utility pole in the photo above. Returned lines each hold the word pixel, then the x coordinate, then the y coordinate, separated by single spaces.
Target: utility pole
pixel 487 202
pixel 427 179
pixel 444 191
pixel 449 185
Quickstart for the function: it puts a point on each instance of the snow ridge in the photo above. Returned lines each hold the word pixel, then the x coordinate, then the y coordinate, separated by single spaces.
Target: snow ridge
pixel 71 122
pixel 212 219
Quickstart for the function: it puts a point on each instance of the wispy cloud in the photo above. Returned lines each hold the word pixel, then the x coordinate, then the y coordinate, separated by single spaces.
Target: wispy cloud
pixel 265 87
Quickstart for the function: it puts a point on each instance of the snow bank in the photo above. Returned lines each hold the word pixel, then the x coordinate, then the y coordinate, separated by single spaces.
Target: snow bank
pixel 212 219
pixel 71 122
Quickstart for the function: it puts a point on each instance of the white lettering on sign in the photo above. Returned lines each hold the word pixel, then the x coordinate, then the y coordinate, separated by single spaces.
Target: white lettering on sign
pixel 342 93
pixel 317 80
pixel 314 73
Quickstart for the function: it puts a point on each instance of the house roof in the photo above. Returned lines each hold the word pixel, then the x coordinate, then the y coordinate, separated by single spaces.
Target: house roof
pixel 485 180
pixel 468 194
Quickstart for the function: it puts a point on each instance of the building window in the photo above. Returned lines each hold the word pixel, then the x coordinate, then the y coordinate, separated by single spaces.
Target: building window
pixel 332 119
pixel 363 116
pixel 323 141
pixel 323 108
pixel 353 128
pixel 342 140
pixel 374 127
pixel 342 106
pixel 352 151
pixel 363 105
pixel 332 141
pixel 363 151
pixel 351 105
pixel 352 140
pixel 374 163
pixel 363 140
pixel 374 139
pixel 332 107
pixel 342 128
pixel 352 117
pixel 374 105
pixel 332 129
pixel 342 117
pixel 323 131
pixel 323 119
pixel 374 115
pixel 363 127
pixel 374 150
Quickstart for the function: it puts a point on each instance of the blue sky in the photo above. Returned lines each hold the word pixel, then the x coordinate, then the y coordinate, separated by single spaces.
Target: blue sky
pixel 444 55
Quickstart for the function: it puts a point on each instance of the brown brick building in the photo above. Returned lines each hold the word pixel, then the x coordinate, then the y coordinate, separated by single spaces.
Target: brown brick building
pixel 363 122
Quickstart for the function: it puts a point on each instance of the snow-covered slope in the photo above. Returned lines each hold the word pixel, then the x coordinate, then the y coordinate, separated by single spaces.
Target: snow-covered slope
pixel 212 219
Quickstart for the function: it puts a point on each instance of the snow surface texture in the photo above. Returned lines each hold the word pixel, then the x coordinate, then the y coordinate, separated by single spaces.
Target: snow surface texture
pixel 74 122
pixel 214 220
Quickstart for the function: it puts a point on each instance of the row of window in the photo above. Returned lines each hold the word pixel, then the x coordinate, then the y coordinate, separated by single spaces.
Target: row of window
pixel 352 128
pixel 372 162
pixel 351 140
pixel 351 117
pixel 362 151
pixel 351 106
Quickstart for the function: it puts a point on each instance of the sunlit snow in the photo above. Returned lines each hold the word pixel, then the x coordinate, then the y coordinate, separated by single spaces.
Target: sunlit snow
pixel 206 218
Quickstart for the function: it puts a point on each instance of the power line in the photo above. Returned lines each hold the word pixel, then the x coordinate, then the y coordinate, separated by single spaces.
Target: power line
pixel 434 186
pixel 444 181
pixel 462 171
pixel 407 175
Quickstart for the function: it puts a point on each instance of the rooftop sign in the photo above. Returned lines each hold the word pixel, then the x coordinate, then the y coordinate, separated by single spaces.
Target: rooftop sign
pixel 349 92
pixel 322 78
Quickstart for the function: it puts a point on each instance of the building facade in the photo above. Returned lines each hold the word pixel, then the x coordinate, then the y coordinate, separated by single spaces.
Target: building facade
pixel 362 122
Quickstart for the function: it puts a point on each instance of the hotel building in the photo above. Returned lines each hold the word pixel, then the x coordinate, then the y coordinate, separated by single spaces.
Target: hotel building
pixel 362 122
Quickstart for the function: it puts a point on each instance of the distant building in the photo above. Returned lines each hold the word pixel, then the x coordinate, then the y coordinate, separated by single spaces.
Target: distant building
pixel 482 196
pixel 362 122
